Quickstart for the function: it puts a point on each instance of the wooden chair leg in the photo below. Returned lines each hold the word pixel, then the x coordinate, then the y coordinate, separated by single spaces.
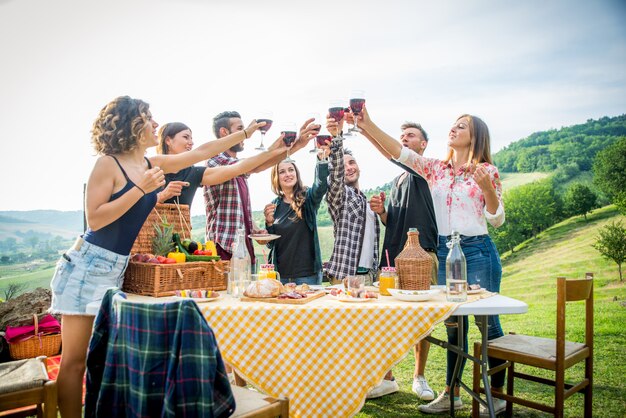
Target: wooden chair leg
pixel 284 408
pixel 559 393
pixel 510 382
pixel 239 381
pixel 50 400
pixel 589 388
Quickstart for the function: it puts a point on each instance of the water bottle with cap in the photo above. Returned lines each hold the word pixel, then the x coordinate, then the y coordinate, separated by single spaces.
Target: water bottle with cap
pixel 456 271
pixel 239 276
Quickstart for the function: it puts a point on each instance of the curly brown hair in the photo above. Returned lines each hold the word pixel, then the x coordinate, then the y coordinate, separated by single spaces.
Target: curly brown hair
pixel 299 190
pixel 119 125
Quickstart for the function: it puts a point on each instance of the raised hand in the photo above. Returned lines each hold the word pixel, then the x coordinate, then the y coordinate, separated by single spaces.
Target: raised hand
pixel 334 126
pixel 173 189
pixel 308 130
pixel 152 179
pixel 377 203
pixel 279 144
pixel 482 178
pixel 268 211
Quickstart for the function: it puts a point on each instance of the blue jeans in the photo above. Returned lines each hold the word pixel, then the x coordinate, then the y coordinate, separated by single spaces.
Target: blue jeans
pixel 315 279
pixel 484 268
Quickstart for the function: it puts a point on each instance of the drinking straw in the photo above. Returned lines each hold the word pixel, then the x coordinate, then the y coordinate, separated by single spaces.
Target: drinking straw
pixel 264 256
pixel 387 254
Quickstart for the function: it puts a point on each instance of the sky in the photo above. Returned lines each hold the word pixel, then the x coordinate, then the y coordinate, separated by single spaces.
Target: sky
pixel 521 66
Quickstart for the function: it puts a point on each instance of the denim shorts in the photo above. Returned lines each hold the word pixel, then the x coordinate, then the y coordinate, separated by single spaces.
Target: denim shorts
pixel 82 275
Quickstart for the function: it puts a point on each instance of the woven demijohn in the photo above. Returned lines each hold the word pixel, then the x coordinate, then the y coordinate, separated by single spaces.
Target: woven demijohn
pixel 414 264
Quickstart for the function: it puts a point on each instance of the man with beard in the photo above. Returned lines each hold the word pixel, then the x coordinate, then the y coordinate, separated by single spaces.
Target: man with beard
pixel 227 205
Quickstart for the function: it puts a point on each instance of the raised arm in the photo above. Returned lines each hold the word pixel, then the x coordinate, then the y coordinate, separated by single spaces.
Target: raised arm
pixel 320 184
pixel 350 120
pixel 218 175
pixel 101 212
pixel 172 163
pixel 307 132
pixel 387 145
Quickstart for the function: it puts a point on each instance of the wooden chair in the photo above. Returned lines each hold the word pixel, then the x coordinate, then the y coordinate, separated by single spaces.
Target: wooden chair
pixel 555 355
pixel 24 383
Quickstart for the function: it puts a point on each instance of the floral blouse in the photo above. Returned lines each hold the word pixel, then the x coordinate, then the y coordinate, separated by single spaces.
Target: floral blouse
pixel 458 200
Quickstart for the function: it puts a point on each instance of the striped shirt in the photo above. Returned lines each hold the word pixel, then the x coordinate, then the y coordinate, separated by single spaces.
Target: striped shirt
pixel 347 207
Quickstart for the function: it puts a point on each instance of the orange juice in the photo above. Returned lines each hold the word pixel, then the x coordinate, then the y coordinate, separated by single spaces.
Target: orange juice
pixel 387 280
pixel 266 271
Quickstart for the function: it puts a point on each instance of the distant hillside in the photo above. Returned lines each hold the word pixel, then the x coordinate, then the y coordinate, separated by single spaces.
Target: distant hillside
pixel 574 146
pixel 44 223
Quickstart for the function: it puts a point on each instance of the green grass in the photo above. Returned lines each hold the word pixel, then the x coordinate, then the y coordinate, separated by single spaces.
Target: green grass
pixel 529 275
pixel 18 273
pixel 512 180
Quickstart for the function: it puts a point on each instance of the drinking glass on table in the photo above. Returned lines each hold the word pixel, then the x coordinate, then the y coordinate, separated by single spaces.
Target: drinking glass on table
pixel 289 130
pixel 355 285
pixel 267 118
pixel 357 100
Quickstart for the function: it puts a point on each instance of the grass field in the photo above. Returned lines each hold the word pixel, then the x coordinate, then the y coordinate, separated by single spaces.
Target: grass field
pixel 529 275
pixel 512 180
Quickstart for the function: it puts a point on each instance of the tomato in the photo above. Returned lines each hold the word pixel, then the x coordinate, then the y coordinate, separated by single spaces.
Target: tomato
pixel 161 258
pixel 198 252
pixel 168 261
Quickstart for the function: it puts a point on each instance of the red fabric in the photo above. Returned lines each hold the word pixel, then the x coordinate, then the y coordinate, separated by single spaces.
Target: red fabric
pixel 47 325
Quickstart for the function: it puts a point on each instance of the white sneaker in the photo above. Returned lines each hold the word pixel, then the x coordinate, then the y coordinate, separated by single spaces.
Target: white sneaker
pixel 385 388
pixel 441 405
pixel 421 388
pixel 499 406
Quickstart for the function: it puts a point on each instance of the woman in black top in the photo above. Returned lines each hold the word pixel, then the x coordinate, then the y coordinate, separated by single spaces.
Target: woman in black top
pixel 293 216
pixel 176 138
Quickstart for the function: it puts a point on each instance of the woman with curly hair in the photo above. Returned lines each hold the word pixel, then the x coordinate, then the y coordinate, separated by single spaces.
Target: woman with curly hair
pixel 293 216
pixel 121 192
pixel 176 138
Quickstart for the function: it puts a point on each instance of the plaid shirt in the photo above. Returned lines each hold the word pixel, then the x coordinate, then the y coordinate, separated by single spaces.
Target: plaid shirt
pixel 224 210
pixel 347 207
pixel 154 360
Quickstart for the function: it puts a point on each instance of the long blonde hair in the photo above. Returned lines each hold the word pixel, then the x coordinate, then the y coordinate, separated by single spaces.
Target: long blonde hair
pixel 299 191
pixel 480 146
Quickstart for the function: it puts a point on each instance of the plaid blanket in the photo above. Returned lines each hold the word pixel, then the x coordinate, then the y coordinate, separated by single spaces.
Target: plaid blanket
pixel 149 360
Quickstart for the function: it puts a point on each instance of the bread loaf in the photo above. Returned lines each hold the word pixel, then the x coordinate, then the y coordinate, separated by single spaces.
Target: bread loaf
pixel 265 288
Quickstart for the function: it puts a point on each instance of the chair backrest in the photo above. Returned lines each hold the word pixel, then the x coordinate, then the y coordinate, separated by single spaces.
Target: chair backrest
pixel 152 358
pixel 571 290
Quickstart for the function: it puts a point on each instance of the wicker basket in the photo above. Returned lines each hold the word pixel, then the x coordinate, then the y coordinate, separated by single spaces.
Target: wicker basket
pixel 37 345
pixel 177 215
pixel 159 280
pixel 414 264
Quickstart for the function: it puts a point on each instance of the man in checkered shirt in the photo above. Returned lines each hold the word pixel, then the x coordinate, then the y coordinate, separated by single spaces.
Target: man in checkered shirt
pixel 355 225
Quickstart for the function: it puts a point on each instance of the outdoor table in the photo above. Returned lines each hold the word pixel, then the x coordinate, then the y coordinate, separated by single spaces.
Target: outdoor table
pixel 326 355
pixel 482 308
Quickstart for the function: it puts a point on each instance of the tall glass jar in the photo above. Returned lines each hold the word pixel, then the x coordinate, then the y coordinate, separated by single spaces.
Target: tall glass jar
pixel 388 279
pixel 266 271
pixel 239 276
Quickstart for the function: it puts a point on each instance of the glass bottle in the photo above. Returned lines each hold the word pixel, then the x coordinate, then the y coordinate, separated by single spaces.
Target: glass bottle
pixel 239 276
pixel 456 271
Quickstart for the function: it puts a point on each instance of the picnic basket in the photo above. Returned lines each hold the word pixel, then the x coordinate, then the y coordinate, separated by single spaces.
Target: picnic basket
pixel 414 264
pixel 159 280
pixel 37 345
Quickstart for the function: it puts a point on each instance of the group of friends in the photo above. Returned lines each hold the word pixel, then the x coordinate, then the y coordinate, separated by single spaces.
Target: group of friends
pixel 461 192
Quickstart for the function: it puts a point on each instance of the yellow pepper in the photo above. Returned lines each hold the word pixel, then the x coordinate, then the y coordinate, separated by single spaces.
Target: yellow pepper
pixel 177 255
pixel 210 246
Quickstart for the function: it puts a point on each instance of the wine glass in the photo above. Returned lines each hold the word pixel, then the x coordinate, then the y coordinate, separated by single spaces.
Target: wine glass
pixel 336 110
pixel 357 101
pixel 315 116
pixel 267 118
pixel 289 130
pixel 320 141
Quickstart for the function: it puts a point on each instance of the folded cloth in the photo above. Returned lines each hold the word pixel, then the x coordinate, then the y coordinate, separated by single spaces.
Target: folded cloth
pixel 47 325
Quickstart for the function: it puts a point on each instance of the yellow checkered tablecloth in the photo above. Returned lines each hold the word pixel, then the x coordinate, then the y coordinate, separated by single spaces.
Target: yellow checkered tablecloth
pixel 324 355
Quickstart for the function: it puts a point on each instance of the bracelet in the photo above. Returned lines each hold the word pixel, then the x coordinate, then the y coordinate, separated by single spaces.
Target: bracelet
pixel 245 134
pixel 140 189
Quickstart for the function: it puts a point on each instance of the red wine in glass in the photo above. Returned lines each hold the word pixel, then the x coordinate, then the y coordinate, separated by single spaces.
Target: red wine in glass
pixel 290 137
pixel 336 113
pixel 268 125
pixel 321 139
pixel 263 129
pixel 357 105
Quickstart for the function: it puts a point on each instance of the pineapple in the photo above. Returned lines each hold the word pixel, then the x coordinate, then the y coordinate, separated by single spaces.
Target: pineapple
pixel 162 242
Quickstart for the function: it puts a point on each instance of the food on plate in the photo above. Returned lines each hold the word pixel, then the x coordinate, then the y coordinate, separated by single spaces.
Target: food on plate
pixel 474 287
pixel 197 293
pixel 336 292
pixel 291 295
pixel 265 288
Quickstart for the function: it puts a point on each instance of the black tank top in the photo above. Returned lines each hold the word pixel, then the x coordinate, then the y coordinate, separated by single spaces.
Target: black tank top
pixel 119 236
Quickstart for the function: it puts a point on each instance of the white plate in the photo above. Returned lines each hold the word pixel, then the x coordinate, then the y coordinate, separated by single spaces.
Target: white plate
pixel 196 299
pixel 476 291
pixel 263 237
pixel 414 295
pixel 316 287
pixel 376 284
